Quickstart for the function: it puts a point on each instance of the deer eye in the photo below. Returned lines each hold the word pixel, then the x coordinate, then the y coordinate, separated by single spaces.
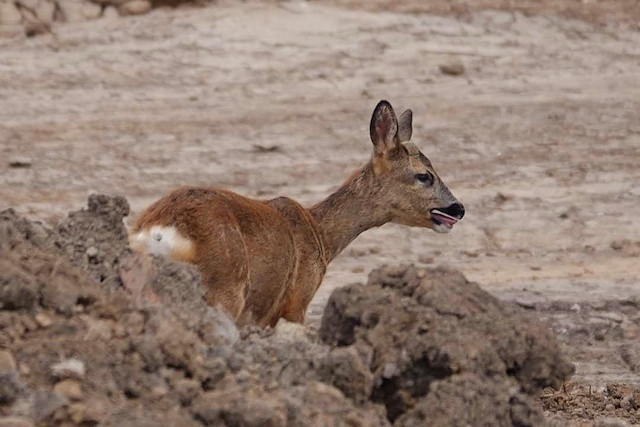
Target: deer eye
pixel 425 178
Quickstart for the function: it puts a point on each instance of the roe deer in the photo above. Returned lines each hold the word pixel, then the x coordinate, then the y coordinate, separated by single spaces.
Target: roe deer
pixel 265 259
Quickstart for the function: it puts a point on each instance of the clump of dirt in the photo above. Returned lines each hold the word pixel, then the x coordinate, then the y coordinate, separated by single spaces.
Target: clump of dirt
pixel 435 343
pixel 15 230
pixel 580 402
pixel 91 333
pixel 93 239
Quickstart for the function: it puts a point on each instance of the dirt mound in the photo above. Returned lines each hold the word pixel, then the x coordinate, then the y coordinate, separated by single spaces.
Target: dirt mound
pixel 94 334
pixel 94 238
pixel 438 344
pixel 89 354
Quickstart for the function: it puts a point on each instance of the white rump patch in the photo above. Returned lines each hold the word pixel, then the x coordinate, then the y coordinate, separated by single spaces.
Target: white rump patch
pixel 164 241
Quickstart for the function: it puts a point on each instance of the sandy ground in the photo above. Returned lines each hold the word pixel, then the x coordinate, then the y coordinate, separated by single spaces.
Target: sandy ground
pixel 539 137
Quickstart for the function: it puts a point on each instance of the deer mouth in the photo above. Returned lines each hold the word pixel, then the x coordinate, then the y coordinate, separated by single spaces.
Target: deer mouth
pixel 442 219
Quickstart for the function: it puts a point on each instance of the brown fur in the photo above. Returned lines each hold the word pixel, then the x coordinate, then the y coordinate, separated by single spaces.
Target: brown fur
pixel 263 260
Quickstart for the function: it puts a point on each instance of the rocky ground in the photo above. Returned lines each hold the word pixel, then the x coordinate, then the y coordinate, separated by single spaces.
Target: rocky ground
pixel 528 111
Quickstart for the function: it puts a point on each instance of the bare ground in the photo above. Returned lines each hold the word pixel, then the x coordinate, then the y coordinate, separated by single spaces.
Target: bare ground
pixel 539 137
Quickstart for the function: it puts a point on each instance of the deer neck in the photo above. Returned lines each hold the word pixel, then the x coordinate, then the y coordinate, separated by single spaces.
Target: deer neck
pixel 352 209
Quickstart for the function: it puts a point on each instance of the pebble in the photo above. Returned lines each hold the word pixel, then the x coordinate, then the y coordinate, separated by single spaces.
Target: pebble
pixel 46 403
pixel 43 320
pixel 20 162
pixel 76 412
pixel 70 368
pixel 92 252
pixel 91 413
pixel 426 259
pixel 135 7
pixel 159 391
pixel 7 362
pixel 9 15
pixel 290 331
pixel 110 13
pixel 91 10
pixel 390 370
pixel 71 389
pixel 454 68
pixel 45 11
pixel 24 369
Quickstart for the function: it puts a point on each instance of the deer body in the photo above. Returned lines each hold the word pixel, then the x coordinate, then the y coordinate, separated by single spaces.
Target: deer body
pixel 263 260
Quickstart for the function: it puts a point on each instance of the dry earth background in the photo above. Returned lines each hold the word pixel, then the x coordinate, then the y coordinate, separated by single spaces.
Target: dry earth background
pixel 538 134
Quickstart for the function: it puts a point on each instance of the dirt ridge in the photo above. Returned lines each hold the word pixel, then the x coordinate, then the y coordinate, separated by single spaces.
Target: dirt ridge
pixel 133 337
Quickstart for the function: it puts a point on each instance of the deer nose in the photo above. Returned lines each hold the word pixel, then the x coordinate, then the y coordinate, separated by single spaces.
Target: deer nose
pixel 456 210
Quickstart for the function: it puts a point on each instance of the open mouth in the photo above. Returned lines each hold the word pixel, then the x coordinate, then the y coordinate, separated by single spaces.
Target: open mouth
pixel 440 218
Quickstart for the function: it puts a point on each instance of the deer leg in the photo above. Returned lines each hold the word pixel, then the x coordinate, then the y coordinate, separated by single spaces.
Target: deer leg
pixel 230 295
pixel 224 267
pixel 298 316
pixel 295 310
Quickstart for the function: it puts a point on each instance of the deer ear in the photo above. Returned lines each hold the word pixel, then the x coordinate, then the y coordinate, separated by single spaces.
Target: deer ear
pixel 384 129
pixel 404 126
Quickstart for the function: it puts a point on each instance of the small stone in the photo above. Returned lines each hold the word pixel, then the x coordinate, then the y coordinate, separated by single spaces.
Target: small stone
pixel 9 15
pixel 71 10
pixel 454 68
pixel 390 370
pixel 20 162
pixel 76 412
pixel 92 252
pixel 97 329
pixel 426 259
pixel 69 388
pixel 7 362
pixel 290 331
pixel 159 391
pixel 43 320
pixel 35 27
pixel 15 422
pixel 45 403
pixel 45 10
pixel 79 11
pixel 90 413
pixel 618 245
pixel 10 387
pixel 610 407
pixel 396 271
pixel 135 7
pixel 70 368
pixel 110 13
pixel 24 369
pixel 91 10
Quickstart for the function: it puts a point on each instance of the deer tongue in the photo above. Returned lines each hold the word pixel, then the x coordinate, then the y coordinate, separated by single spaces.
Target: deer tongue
pixel 443 218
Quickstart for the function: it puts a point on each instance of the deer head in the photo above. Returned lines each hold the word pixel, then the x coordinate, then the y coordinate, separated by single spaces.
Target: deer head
pixel 408 183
